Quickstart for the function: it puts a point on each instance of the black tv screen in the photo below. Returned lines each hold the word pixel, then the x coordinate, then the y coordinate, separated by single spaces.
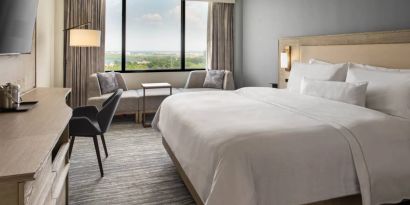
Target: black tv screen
pixel 17 20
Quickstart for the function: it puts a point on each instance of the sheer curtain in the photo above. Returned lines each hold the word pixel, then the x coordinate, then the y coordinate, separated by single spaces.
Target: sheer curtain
pixel 82 62
pixel 220 36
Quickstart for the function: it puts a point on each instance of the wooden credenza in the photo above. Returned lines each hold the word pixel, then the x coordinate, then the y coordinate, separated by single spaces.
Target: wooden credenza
pixel 33 150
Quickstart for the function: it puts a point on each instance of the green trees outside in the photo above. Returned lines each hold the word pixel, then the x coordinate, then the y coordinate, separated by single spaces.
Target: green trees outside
pixel 154 61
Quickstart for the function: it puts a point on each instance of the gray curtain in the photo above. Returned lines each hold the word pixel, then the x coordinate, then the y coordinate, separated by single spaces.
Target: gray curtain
pixel 220 36
pixel 82 62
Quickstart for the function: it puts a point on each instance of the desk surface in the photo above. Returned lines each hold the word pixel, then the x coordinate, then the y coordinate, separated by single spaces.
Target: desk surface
pixel 27 138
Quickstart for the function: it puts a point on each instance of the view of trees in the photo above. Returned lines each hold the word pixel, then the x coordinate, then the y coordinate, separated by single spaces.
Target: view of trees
pixel 154 60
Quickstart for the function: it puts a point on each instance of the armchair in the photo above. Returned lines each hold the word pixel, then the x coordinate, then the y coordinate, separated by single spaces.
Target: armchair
pixel 196 80
pixel 129 99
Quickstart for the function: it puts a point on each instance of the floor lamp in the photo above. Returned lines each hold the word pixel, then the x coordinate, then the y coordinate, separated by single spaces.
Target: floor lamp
pixel 81 38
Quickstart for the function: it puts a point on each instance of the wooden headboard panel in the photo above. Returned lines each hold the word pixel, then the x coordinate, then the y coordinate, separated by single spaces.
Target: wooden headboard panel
pixel 386 49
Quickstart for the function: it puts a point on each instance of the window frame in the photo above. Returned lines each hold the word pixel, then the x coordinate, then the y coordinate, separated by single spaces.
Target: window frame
pixel 124 44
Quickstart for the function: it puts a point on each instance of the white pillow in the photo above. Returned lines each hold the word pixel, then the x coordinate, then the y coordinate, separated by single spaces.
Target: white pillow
pixel 316 61
pixel 388 90
pixel 352 93
pixel 331 72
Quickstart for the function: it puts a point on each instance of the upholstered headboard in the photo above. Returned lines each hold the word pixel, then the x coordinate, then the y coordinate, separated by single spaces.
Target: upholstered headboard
pixel 386 49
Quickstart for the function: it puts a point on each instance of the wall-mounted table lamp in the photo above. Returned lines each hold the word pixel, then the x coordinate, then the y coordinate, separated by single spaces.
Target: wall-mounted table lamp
pixel 285 61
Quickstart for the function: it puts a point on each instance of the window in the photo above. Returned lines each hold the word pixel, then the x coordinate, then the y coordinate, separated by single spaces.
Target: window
pixel 196 21
pixel 113 35
pixel 155 35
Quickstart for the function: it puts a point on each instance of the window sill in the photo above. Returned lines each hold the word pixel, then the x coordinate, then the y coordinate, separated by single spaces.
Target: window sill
pixel 156 71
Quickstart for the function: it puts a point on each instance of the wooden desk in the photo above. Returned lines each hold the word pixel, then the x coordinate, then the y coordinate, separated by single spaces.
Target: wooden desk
pixel 33 146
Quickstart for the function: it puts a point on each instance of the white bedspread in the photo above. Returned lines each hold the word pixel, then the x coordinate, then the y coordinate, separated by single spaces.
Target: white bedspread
pixel 269 146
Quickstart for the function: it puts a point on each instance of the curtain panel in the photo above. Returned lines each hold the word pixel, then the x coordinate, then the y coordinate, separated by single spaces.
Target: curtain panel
pixel 220 36
pixel 82 62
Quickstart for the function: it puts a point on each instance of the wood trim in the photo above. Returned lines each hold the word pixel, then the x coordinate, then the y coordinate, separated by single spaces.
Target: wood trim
pixel 384 37
pixel 182 173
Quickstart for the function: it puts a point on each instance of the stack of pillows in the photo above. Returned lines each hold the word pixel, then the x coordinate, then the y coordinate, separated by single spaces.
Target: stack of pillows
pixel 382 89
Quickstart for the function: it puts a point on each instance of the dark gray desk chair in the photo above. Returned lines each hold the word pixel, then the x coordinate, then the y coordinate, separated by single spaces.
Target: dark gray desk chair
pixel 88 121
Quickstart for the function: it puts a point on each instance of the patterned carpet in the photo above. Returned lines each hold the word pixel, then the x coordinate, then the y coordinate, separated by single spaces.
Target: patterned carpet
pixel 137 171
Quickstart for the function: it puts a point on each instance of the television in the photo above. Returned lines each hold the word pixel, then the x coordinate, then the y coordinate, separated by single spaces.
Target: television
pixel 17 21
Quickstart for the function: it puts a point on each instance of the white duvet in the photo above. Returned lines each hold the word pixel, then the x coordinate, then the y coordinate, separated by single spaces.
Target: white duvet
pixel 269 146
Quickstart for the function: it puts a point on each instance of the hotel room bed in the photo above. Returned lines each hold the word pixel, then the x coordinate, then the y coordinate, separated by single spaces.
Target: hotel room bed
pixel 271 146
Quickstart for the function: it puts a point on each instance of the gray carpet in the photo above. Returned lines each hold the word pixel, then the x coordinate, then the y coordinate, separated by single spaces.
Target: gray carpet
pixel 137 171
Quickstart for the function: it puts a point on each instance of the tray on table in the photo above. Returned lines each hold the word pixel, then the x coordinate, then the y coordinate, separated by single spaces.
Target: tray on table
pixel 24 106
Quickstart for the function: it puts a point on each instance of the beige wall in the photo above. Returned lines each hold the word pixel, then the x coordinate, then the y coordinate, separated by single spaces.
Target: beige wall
pixel 50 43
pixel 45 43
pixel 59 43
pixel 18 69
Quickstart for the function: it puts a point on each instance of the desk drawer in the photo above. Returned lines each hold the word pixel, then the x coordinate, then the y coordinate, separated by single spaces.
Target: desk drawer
pixel 45 197
pixel 61 158
pixel 41 195
pixel 60 198
pixel 44 177
pixel 60 181
pixel 60 167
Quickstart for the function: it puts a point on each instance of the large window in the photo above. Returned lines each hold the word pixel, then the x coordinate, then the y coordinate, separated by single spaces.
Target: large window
pixel 155 35
pixel 196 21
pixel 113 35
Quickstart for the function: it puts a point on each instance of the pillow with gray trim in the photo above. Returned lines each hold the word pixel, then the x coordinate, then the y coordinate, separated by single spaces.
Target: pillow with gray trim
pixel 214 79
pixel 352 93
pixel 108 82
pixel 329 72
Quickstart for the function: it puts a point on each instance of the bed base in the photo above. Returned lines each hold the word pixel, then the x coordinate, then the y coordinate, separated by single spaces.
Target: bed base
pixel 351 200
pixel 182 174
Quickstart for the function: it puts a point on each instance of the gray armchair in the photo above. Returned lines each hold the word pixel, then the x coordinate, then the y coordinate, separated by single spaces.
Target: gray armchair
pixel 89 122
pixel 196 80
pixel 129 99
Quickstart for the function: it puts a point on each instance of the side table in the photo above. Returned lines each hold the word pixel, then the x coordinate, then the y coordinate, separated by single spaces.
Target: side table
pixel 146 86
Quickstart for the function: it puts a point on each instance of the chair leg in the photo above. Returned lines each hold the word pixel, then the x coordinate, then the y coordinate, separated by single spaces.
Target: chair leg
pixel 104 145
pixel 97 150
pixel 70 149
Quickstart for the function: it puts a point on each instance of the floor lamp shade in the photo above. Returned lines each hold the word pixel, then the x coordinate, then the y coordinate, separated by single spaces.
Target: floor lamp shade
pixel 85 38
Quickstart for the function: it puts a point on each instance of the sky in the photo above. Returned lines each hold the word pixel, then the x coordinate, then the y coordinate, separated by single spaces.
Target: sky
pixel 155 25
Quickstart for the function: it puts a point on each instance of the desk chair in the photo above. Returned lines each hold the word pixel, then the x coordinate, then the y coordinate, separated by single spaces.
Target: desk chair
pixel 88 121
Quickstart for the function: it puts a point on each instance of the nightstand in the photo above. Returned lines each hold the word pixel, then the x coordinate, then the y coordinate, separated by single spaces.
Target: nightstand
pixel 146 86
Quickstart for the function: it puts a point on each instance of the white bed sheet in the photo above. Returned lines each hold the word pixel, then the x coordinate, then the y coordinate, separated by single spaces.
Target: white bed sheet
pixel 269 146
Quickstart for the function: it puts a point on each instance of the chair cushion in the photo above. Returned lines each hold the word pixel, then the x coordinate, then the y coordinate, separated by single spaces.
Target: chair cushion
pixel 214 79
pixel 128 103
pixel 196 79
pixel 108 82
